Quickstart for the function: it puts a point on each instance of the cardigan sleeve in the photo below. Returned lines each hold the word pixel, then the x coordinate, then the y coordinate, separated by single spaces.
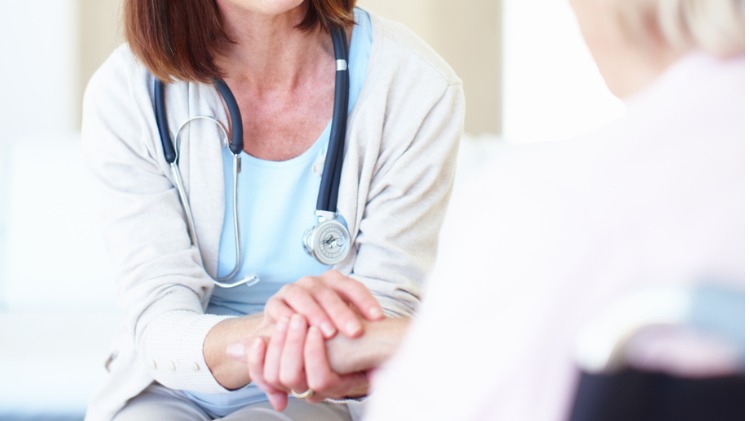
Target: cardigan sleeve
pixel 162 285
pixel 407 199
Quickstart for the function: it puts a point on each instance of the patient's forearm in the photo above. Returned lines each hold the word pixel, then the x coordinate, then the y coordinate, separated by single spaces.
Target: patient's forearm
pixel 379 341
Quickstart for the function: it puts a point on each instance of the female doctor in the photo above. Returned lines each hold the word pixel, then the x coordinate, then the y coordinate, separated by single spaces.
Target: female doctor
pixel 265 165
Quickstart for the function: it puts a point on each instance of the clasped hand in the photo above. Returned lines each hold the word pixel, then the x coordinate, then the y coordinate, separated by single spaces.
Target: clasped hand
pixel 290 353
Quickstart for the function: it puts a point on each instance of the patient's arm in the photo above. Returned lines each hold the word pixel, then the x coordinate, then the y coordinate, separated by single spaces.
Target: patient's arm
pixel 339 368
pixel 379 341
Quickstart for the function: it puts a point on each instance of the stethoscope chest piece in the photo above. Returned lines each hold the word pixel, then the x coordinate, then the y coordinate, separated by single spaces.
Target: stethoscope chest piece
pixel 328 241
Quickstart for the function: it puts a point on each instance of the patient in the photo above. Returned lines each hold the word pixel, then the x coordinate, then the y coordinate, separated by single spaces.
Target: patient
pixel 551 233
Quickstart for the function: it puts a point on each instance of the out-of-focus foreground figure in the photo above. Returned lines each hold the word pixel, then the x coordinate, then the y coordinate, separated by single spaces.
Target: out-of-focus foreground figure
pixel 552 235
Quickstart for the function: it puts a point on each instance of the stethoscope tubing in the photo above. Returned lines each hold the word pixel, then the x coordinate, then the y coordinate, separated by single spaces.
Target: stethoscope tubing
pixel 180 185
pixel 237 144
pixel 160 109
pixel 330 178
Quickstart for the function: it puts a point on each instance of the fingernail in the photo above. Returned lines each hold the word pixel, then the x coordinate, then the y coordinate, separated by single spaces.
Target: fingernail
pixel 352 328
pixel 376 312
pixel 317 333
pixel 236 350
pixel 327 329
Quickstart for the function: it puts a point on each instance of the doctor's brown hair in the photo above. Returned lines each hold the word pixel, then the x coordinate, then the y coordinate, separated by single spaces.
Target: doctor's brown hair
pixel 178 39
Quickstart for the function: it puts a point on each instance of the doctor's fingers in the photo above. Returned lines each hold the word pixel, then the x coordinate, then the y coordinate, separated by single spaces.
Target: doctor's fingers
pixel 354 292
pixel 256 355
pixel 344 299
pixel 296 298
pixel 322 379
pixel 331 302
pixel 345 317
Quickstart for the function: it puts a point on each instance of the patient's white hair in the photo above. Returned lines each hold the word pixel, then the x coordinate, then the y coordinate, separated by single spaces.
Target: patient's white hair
pixel 714 26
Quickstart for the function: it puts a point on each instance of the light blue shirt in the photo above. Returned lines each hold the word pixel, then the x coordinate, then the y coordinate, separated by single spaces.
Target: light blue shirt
pixel 277 201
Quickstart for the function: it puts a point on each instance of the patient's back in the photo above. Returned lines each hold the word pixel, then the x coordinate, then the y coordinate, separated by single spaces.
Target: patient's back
pixel 550 234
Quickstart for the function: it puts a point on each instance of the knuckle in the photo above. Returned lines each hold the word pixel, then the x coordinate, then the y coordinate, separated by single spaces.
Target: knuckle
pixel 290 379
pixel 343 315
pixel 334 277
pixel 307 281
pixel 294 292
pixel 291 289
pixel 274 310
pixel 323 382
pixel 271 379
pixel 360 288
pixel 273 302
pixel 326 294
pixel 283 291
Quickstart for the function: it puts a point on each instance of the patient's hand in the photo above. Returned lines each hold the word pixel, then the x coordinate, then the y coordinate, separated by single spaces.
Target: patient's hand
pixel 321 378
pixel 298 358
pixel 295 359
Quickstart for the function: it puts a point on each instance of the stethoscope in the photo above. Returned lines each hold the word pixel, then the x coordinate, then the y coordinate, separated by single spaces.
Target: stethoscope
pixel 328 241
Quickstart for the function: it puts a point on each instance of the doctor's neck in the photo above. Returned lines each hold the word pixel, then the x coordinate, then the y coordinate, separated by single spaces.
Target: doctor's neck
pixel 268 50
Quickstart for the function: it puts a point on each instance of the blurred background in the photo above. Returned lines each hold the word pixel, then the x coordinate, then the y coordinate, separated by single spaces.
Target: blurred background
pixel 521 61
pixel 527 78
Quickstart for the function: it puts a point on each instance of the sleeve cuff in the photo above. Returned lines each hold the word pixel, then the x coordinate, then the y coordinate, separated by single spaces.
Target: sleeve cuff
pixel 175 358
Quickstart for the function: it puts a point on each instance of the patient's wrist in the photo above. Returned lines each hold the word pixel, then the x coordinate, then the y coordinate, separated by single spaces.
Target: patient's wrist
pixel 379 341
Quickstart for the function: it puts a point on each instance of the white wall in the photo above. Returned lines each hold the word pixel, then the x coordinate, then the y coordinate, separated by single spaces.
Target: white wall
pixel 551 88
pixel 526 70
pixel 39 44
pixel 468 37
pixel 55 258
pixel 100 32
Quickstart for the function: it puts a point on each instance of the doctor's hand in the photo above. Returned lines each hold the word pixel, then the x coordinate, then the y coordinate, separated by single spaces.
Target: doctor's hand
pixel 331 302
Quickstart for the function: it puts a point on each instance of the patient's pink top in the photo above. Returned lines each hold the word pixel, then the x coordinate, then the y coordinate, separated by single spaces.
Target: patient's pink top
pixel 547 236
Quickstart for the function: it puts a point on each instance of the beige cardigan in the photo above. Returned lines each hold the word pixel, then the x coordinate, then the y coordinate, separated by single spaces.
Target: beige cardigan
pixel 401 145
